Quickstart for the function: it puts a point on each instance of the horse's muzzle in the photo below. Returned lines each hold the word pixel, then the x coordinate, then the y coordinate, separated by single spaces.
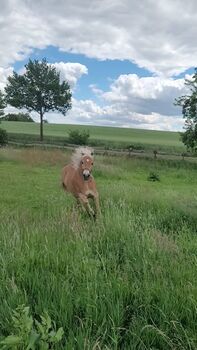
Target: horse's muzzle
pixel 86 174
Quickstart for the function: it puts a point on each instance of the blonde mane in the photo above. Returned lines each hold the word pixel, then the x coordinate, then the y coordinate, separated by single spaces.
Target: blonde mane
pixel 79 153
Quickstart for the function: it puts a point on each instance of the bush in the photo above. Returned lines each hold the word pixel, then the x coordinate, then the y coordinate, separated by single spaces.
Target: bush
pixel 3 137
pixel 78 138
pixel 153 177
pixel 29 333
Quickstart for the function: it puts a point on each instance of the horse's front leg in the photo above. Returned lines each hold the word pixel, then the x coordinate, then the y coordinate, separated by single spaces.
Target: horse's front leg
pixel 85 204
pixel 97 205
pixel 80 204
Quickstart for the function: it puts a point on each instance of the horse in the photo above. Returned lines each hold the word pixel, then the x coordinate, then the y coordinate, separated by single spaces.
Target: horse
pixel 78 180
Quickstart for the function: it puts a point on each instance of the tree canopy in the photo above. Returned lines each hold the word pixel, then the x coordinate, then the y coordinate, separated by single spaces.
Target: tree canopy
pixel 39 89
pixel 2 103
pixel 3 133
pixel 189 111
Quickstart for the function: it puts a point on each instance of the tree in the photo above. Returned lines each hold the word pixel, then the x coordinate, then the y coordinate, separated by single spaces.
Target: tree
pixel 3 133
pixel 39 89
pixel 3 137
pixel 189 111
pixel 2 104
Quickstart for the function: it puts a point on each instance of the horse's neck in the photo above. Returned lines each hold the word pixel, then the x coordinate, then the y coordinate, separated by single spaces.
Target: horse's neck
pixel 79 173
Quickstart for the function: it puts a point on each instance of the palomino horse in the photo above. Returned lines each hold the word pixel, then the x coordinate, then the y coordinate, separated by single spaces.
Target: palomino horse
pixel 78 180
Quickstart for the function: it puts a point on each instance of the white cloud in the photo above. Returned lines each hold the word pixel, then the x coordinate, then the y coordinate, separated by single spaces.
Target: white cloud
pixel 88 112
pixel 131 85
pixel 131 102
pixel 160 36
pixel 145 95
pixel 70 72
pixel 4 73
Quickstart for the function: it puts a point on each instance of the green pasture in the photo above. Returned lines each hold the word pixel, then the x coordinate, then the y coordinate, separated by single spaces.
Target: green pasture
pixel 125 282
pixel 116 137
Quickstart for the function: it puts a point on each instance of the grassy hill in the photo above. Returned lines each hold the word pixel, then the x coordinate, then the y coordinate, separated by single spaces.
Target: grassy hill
pixel 105 136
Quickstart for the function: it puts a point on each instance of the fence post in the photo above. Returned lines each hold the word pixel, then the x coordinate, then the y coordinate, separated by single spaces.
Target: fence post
pixel 155 152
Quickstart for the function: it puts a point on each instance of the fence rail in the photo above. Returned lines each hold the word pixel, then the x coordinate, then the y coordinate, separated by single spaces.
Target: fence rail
pixel 110 152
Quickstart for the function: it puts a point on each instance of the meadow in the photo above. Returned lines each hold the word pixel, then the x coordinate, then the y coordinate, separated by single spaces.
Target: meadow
pixel 127 281
pixel 99 136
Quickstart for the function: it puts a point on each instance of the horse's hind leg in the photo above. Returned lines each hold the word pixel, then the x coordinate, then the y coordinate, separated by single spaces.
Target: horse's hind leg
pixel 85 204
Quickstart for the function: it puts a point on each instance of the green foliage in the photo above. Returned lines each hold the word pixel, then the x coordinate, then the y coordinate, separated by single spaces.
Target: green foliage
pixel 2 103
pixel 38 89
pixel 30 334
pixel 19 117
pixel 189 111
pixel 78 137
pixel 155 152
pixel 153 177
pixel 3 137
pixel 131 147
pixel 189 137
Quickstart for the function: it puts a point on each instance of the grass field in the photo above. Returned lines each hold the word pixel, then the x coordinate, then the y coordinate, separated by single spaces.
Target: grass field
pixel 162 140
pixel 125 282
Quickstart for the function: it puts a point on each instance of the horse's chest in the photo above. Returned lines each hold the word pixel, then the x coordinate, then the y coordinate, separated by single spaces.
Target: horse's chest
pixel 89 192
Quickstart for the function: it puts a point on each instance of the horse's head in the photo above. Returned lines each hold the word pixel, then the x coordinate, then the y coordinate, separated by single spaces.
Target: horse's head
pixel 82 160
pixel 86 165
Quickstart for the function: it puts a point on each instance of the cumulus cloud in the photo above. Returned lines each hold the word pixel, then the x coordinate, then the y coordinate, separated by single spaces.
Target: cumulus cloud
pixel 4 73
pixel 70 72
pixel 117 113
pixel 131 85
pixel 159 36
pixel 132 101
pixel 147 94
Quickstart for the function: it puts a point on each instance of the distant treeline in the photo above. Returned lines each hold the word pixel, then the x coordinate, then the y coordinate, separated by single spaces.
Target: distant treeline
pixel 18 117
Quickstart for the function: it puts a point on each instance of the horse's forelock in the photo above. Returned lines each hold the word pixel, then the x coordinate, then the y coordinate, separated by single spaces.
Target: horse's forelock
pixel 80 153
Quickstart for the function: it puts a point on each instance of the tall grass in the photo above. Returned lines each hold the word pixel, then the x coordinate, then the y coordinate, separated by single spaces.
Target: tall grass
pixel 127 281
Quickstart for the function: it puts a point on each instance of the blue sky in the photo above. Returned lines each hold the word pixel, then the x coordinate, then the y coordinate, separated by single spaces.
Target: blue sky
pixel 125 60
pixel 100 73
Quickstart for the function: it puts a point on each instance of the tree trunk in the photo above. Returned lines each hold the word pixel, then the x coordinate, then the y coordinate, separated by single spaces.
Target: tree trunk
pixel 41 125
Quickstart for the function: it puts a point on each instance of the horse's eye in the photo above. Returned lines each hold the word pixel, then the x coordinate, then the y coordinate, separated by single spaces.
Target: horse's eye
pixel 92 163
pixel 82 162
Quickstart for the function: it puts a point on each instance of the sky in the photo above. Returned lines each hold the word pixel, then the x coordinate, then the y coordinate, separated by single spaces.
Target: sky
pixel 125 60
